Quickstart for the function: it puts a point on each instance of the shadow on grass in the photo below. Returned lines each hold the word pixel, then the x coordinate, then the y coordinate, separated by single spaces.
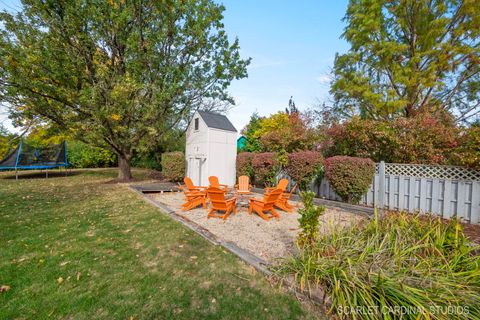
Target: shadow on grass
pixel 10 175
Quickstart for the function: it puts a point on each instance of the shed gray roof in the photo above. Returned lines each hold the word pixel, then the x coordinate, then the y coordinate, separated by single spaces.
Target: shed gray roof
pixel 217 121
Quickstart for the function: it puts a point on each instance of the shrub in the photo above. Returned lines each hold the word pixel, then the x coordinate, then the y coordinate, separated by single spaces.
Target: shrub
pixel 82 155
pixel 422 139
pixel 350 177
pixel 244 164
pixel 388 264
pixel 308 220
pixel 468 153
pixel 304 166
pixel 265 166
pixel 148 161
pixel 173 165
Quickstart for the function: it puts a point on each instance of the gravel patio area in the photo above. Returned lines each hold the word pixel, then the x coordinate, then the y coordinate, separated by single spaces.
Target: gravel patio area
pixel 265 239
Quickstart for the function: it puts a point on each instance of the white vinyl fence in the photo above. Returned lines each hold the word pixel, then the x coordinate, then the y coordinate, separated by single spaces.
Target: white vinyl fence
pixel 446 191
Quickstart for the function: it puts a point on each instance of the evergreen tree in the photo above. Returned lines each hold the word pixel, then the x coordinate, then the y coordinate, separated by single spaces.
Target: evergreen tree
pixel 408 57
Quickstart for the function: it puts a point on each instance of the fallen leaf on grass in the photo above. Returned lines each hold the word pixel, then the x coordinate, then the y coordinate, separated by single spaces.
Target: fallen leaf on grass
pixel 60 280
pixel 193 257
pixel 4 288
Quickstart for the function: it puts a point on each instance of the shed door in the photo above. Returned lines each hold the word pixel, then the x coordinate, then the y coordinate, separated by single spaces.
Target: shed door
pixel 195 170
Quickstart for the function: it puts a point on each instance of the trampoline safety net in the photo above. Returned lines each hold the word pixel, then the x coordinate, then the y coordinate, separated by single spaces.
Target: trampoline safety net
pixel 28 157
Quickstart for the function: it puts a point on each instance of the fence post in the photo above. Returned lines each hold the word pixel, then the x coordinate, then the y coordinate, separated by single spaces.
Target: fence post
pixel 380 204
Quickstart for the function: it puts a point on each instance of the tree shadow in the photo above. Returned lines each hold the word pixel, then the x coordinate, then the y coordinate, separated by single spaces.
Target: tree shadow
pixel 39 174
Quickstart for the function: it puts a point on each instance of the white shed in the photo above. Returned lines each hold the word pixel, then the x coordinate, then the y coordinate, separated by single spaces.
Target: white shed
pixel 211 148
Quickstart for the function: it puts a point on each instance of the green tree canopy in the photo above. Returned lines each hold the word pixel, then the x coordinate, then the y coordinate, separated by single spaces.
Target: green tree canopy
pixel 117 74
pixel 252 144
pixel 408 57
pixel 7 141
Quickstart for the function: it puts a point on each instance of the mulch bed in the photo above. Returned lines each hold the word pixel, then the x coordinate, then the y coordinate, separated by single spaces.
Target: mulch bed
pixel 472 231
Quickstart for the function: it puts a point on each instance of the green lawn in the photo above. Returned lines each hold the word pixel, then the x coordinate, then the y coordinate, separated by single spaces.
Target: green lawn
pixel 78 247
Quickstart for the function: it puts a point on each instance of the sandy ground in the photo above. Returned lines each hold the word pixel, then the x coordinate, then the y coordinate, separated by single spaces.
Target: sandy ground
pixel 266 239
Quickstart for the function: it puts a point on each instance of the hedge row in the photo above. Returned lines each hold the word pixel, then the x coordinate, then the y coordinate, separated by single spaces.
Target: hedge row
pixel 350 177
pixel 262 168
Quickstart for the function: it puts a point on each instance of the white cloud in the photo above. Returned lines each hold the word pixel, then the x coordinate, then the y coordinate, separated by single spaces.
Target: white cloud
pixel 324 79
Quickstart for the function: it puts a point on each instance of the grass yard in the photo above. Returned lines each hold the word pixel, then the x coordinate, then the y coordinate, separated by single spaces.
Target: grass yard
pixel 79 247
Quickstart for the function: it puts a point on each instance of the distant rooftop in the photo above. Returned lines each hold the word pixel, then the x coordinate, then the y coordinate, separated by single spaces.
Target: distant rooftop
pixel 217 121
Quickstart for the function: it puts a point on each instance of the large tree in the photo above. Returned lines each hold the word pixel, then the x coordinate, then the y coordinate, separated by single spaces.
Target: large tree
pixel 117 74
pixel 409 57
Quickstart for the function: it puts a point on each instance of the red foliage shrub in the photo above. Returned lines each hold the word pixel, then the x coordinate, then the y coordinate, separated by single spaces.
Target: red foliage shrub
pixel 468 151
pixel 422 139
pixel 265 166
pixel 244 164
pixel 350 177
pixel 303 166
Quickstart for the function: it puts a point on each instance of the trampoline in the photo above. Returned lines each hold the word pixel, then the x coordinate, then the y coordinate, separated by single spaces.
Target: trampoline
pixel 26 157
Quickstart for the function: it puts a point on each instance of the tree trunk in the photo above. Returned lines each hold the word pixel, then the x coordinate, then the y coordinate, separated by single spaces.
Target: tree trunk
pixel 124 169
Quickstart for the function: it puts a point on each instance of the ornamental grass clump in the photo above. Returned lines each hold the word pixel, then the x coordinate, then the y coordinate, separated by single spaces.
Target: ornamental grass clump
pixel 402 266
pixel 308 220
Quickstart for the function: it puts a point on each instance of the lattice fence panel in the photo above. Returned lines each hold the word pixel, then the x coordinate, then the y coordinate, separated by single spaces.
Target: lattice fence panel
pixel 432 171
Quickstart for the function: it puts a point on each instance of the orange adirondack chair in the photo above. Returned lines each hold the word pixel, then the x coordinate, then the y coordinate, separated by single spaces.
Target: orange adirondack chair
pixel 282 185
pixel 282 202
pixel 219 203
pixel 191 187
pixel 215 183
pixel 266 204
pixel 193 199
pixel 243 186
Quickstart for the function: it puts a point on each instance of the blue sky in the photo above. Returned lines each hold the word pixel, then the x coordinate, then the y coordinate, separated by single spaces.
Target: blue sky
pixel 292 45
